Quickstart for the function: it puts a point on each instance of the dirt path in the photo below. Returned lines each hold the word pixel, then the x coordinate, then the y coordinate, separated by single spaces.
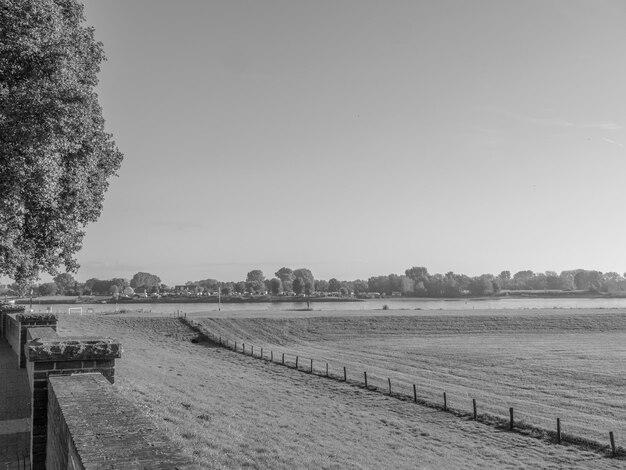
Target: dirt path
pixel 232 411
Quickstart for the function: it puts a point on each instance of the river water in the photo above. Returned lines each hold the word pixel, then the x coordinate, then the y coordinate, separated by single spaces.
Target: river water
pixel 404 305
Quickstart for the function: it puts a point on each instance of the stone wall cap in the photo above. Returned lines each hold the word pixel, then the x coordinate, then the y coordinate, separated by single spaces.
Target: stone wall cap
pixel 34 317
pixel 38 332
pixel 72 349
pixel 11 308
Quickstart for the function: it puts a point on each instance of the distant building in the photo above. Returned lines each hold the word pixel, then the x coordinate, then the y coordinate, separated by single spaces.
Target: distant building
pixel 186 290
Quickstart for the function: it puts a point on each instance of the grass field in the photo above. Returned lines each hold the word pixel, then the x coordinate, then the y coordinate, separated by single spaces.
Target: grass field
pixel 232 411
pixel 543 365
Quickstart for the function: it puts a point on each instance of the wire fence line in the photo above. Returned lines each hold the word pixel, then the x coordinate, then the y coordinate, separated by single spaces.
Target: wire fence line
pixel 543 421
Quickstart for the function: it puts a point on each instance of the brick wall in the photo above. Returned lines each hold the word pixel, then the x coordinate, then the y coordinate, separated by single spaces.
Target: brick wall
pixel 13 334
pixel 49 355
pixel 117 433
pixel 59 440
pixel 6 309
pixel 17 326
pixel 78 419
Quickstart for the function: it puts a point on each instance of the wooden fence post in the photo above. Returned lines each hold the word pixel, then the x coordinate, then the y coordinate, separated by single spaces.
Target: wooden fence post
pixel 243 348
pixel 311 366
pixel 283 358
pixel 612 444
pixel 345 376
pixel 389 380
pixel 445 402
pixel 474 405
pixel 414 394
pixel 235 346
pixel 261 353
pixel 327 369
pixel 511 422
pixel 365 375
pixel 558 430
pixel 272 356
pixel 252 350
pixel 296 362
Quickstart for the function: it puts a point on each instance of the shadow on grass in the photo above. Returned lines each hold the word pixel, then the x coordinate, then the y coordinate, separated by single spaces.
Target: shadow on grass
pixel 201 338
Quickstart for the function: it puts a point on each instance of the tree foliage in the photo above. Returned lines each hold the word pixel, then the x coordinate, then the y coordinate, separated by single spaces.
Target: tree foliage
pixel 321 285
pixel 298 286
pixel 255 281
pixel 360 286
pixel 227 288
pixel 276 286
pixel 98 287
pixel 307 281
pixel 120 283
pixel 48 288
pixel 379 284
pixel 65 283
pixel 417 273
pixel 210 285
pixel 55 157
pixel 334 285
pixel 255 275
pixel 286 277
pixel 146 280
pixel 588 280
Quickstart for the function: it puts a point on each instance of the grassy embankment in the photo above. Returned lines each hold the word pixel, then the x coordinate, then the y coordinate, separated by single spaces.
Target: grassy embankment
pixel 544 366
pixel 232 411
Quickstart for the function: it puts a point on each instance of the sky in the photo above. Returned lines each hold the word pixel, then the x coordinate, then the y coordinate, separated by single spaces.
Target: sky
pixel 359 138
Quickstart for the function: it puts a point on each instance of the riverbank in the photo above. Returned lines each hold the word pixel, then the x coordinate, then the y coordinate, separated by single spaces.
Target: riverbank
pixel 269 299
pixel 557 294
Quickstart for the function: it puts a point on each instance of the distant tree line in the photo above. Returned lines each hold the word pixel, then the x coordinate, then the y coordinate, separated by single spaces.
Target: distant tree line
pixel 297 281
pixel 65 284
pixel 415 282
